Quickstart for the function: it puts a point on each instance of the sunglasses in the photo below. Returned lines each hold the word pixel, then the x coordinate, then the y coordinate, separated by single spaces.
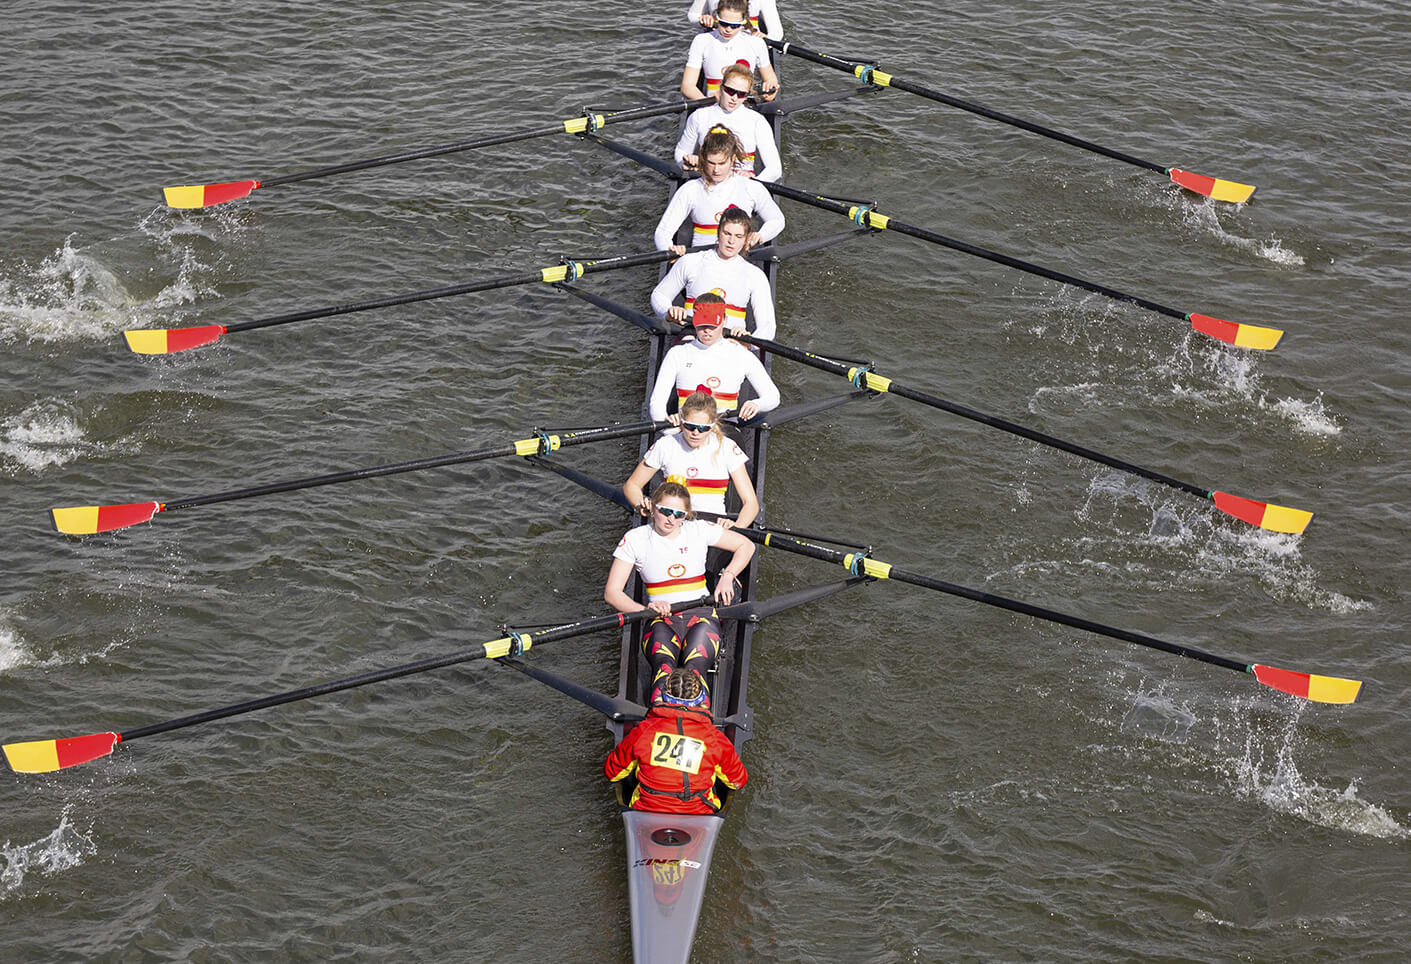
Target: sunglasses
pixel 734 93
pixel 671 513
pixel 727 24
pixel 694 427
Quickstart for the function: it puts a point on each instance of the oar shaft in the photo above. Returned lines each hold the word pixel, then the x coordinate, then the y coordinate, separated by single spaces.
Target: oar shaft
pixel 522 447
pixel 574 125
pixel 888 80
pixel 482 651
pixel 872 219
pixel 868 566
pixel 543 274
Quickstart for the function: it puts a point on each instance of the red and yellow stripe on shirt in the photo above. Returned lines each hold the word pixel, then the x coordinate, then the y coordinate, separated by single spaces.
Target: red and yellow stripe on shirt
pixel 724 401
pixel 732 311
pixel 712 85
pixel 704 232
pixel 708 486
pixel 694 583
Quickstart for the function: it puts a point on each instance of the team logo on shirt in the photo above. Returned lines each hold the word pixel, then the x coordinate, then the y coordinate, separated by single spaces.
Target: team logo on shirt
pixel 622 543
pixel 712 383
pixel 692 472
pixel 676 570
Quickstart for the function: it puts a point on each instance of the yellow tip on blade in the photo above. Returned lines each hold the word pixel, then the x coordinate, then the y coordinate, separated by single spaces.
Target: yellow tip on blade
pixel 1231 191
pixel 79 520
pixel 186 196
pixel 147 341
pixel 1331 689
pixel 1252 336
pixel 1278 518
pixel 39 756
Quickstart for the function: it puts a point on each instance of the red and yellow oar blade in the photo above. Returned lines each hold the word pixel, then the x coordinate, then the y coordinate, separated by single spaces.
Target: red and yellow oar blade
pixel 85 520
pixel 164 341
pixel 1241 336
pixel 206 195
pixel 1265 515
pixel 1319 689
pixel 1212 187
pixel 46 756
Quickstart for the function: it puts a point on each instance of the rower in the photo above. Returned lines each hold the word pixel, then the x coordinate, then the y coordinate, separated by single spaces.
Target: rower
pixel 728 43
pixel 724 270
pixel 700 453
pixel 677 753
pixel 766 10
pixel 711 364
pixel 719 188
pixel 747 124
pixel 669 553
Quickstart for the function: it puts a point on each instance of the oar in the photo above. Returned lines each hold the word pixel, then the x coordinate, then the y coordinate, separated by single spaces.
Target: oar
pixel 1240 335
pixel 1212 187
pixel 1275 518
pixel 82 520
pixel 1321 689
pixel 45 756
pixel 206 195
pixel 164 341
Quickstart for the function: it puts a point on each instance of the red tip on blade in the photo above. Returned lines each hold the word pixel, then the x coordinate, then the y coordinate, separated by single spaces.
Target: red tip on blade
pixel 121 516
pixel 1246 510
pixel 229 191
pixel 180 339
pixel 1215 327
pixel 80 749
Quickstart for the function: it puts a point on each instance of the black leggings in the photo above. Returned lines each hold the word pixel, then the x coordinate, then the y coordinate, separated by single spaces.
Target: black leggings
pixel 689 639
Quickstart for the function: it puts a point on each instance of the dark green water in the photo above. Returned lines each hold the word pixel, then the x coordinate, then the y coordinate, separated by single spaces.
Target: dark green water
pixel 931 780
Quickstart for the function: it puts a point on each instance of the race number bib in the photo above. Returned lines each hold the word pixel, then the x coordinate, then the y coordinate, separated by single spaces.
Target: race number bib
pixel 677 752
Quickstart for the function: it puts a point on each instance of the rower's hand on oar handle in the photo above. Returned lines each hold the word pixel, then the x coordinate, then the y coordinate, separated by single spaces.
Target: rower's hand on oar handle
pixel 707 21
pixel 691 162
pixel 739 330
pixel 750 241
pixel 769 93
pixel 660 608
pixel 749 410
pixel 678 314
pixel 725 587
pixel 677 249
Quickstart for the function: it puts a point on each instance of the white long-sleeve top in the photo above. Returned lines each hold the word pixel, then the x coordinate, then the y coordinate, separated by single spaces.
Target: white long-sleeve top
pixel 750 129
pixel 739 282
pixel 711 53
pixel 768 8
pixel 723 368
pixel 704 204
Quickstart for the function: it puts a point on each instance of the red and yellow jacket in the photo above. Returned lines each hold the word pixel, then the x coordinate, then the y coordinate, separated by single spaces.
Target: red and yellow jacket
pixel 677 754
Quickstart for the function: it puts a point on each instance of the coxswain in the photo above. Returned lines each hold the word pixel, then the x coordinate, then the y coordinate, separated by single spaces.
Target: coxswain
pixel 704 199
pixel 700 453
pixel 669 553
pixel 711 363
pixel 677 753
pixel 748 125
pixel 760 10
pixel 728 43
pixel 724 270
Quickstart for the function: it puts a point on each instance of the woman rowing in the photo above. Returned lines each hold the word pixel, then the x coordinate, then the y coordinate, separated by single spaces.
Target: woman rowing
pixel 719 188
pixel 701 454
pixel 669 553
pixel 725 271
pixel 764 16
pixel 712 365
pixel 728 43
pixel 748 125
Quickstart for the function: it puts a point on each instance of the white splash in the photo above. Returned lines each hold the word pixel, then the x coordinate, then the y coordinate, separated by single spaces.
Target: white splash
pixel 44 434
pixel 66 847
pixel 12 650
pixel 1204 216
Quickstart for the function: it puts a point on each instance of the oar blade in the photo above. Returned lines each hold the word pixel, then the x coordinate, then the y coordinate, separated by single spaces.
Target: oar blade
pixel 1308 686
pixel 207 195
pixel 1212 187
pixel 1265 515
pixel 46 756
pixel 164 341
pixel 85 520
pixel 1239 335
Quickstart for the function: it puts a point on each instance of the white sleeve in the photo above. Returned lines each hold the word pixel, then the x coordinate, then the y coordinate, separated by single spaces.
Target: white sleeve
pixel 669 287
pixel 690 138
pixel 698 9
pixel 674 214
pixel 626 550
pixel 762 301
pixel 696 57
pixel 770 216
pixel 761 52
pixel 767 150
pixel 654 456
pixel 663 386
pixel 759 379
pixel 769 10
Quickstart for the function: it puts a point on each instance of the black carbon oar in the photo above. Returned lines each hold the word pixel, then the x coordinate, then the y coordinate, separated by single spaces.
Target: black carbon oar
pixel 1321 689
pixel 1275 518
pixel 207 195
pixel 88 519
pixel 45 756
pixel 1212 187
pixel 1240 335
pixel 164 341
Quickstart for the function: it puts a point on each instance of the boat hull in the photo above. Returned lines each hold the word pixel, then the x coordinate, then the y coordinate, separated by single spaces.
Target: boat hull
pixel 668 861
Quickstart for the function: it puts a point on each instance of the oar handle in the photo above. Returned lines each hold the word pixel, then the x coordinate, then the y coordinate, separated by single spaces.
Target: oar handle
pixel 529 446
pixel 869 74
pixel 482 651
pixel 573 125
